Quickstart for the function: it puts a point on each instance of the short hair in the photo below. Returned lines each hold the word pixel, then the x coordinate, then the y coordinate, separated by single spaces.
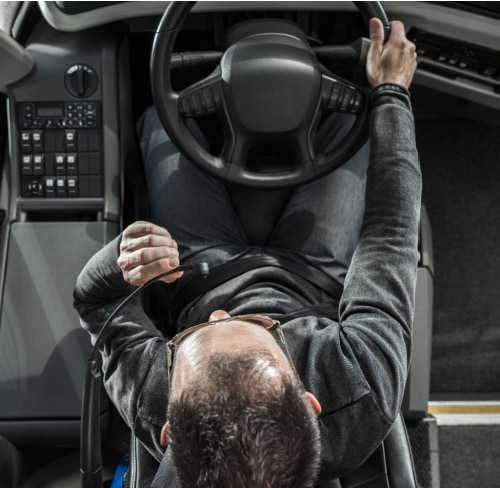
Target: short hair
pixel 237 426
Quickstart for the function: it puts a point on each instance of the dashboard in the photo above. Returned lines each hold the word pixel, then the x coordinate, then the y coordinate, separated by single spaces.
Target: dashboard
pixel 62 139
pixel 458 41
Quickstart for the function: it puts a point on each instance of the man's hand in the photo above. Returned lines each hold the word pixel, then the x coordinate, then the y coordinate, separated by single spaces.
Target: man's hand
pixel 393 62
pixel 146 251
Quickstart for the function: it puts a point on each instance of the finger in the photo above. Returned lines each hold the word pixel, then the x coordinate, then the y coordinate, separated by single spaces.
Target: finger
pixel 144 256
pixel 141 228
pixel 172 277
pixel 142 274
pixel 397 31
pixel 376 34
pixel 129 245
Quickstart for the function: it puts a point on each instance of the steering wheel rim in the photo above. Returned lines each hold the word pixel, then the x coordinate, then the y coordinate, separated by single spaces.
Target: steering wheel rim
pixel 209 96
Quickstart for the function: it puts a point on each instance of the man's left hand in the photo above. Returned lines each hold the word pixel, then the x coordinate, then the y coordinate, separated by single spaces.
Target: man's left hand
pixel 146 251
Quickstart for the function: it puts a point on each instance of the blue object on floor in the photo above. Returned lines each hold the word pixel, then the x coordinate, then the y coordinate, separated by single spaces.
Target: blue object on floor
pixel 120 471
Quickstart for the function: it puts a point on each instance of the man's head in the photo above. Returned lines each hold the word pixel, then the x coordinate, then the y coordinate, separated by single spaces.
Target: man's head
pixel 238 416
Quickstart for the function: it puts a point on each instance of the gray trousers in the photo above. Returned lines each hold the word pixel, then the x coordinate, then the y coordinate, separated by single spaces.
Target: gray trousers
pixel 320 226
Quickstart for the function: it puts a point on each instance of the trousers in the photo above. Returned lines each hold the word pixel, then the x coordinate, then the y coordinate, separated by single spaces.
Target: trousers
pixel 319 226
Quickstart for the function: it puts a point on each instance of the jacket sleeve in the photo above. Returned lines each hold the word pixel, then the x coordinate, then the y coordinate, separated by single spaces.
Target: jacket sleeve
pixel 361 363
pixel 133 351
pixel 377 306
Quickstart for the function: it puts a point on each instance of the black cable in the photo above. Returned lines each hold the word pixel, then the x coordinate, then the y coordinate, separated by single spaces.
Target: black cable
pixel 90 432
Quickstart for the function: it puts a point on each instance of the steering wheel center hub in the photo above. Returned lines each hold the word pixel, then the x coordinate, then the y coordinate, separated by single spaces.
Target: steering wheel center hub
pixel 271 83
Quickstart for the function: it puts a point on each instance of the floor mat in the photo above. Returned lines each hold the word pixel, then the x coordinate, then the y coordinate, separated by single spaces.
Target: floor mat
pixel 461 177
pixel 469 456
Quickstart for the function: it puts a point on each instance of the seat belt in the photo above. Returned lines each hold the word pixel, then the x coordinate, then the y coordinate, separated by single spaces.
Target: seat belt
pixel 225 272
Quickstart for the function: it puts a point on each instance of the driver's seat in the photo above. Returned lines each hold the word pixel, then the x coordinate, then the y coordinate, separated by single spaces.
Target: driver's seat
pixel 389 466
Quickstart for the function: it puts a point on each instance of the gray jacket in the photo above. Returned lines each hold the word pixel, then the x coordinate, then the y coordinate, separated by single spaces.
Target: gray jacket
pixel 355 362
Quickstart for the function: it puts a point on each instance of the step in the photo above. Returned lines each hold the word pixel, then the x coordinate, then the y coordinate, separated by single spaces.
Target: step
pixel 469 443
pixel 465 412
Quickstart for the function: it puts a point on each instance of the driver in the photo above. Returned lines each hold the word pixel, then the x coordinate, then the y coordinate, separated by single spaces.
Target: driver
pixel 244 409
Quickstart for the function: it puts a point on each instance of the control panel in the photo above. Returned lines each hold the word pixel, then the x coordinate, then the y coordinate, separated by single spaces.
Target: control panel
pixel 61 149
pixel 451 58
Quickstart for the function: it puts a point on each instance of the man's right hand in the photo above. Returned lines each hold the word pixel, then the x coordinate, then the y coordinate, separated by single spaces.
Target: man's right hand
pixel 392 62
pixel 146 251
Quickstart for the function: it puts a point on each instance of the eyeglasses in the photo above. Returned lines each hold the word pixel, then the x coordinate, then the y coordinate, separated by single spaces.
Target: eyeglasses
pixel 267 322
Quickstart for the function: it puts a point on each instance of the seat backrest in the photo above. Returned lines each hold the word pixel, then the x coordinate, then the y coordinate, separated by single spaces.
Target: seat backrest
pixel 389 466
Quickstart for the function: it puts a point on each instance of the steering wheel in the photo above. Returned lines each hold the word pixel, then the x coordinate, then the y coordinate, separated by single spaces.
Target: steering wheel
pixel 269 91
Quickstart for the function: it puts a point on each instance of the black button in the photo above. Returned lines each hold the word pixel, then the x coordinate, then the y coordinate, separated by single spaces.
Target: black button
pixel 71 164
pixel 38 164
pixel 70 140
pixel 60 164
pixel 35 188
pixel 37 140
pixel 94 163
pixel 72 186
pixel 488 71
pixel 84 186
pixel 25 137
pixel 50 187
pixel 83 164
pixel 61 186
pixel 83 141
pixel 94 142
pixel 59 143
pixel 464 63
pixel 27 164
pixel 49 163
pixel 49 141
pixel 443 57
pixel 95 186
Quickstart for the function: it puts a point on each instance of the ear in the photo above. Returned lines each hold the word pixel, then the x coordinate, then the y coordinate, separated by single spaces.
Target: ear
pixel 164 435
pixel 218 315
pixel 316 406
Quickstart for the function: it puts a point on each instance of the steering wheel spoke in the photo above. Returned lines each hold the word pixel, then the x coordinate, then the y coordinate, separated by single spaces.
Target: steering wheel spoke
pixel 202 98
pixel 343 97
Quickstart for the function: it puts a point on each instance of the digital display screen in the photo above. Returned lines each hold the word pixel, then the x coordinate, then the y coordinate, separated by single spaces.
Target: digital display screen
pixel 50 111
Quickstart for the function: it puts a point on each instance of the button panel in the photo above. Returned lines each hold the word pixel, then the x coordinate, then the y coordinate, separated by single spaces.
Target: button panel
pixel 61 150
pixel 59 114
pixel 452 58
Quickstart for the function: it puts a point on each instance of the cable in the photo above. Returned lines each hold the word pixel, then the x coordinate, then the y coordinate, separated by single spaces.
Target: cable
pixel 90 432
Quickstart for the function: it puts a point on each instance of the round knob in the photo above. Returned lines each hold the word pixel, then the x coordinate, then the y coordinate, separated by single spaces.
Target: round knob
pixel 81 80
pixel 35 188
